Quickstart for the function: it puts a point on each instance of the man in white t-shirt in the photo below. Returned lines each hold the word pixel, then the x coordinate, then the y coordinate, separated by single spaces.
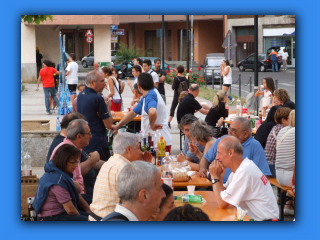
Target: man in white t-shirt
pixel 72 76
pixel 285 56
pixel 247 187
pixel 146 65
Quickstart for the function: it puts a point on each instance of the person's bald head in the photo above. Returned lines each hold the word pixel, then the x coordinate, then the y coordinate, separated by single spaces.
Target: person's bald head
pixel 194 89
pixel 230 142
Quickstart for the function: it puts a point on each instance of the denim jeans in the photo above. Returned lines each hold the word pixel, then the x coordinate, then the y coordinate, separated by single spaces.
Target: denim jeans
pixel 53 92
pixel 274 66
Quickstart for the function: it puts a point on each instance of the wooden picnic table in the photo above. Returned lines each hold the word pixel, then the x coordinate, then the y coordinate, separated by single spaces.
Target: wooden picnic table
pixel 194 181
pixel 211 207
pixel 132 126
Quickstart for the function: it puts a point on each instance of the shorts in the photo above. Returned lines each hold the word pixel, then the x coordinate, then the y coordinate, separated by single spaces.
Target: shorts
pixel 226 85
pixel 72 87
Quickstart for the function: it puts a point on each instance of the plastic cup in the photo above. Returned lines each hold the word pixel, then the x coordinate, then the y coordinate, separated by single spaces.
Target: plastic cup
pixel 191 190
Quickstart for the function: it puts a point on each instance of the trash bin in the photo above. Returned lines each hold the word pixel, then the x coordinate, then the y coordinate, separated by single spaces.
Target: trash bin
pixel 104 64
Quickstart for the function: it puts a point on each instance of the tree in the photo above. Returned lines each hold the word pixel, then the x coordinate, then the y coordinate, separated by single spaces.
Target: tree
pixel 126 53
pixel 35 18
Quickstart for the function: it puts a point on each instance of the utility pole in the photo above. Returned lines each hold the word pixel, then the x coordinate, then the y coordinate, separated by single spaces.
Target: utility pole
pixel 256 57
pixel 188 44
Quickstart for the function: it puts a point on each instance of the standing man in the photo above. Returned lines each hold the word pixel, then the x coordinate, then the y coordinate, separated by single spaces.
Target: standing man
pixel 147 67
pixel 247 187
pixel 38 60
pixel 162 74
pixel 274 60
pixel 46 75
pixel 189 104
pixel 153 111
pixel 241 129
pixel 92 105
pixel 136 70
pixel 140 191
pixel 72 76
pixel 285 56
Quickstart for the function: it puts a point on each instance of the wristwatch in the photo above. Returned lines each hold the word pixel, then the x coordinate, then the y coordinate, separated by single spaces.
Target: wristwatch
pixel 215 180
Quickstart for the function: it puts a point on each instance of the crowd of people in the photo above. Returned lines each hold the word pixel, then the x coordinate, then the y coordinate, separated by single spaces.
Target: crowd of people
pixel 83 181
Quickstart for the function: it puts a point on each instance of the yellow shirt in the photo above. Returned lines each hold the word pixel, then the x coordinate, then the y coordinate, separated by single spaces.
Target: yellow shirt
pixel 105 195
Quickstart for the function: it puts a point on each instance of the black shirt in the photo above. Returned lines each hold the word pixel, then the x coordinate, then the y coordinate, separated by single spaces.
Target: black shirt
pixel 216 113
pixel 176 83
pixel 161 73
pixel 289 104
pixel 187 105
pixel 55 142
pixel 89 103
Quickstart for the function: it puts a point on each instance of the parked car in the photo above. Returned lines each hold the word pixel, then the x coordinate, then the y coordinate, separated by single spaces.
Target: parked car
pixel 212 62
pixel 264 62
pixel 89 59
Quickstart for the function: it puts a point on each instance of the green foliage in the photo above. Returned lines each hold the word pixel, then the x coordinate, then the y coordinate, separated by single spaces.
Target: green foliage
pixel 191 76
pixel 126 53
pixel 35 18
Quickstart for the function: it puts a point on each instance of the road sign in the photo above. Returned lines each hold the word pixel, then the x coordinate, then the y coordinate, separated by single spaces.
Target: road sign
pixel 89 33
pixel 114 38
pixel 114 27
pixel 89 39
pixel 117 31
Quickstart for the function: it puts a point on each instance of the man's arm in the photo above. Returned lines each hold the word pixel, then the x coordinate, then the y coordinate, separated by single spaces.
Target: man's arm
pixel 39 79
pixel 152 113
pixel 83 204
pixel 204 111
pixel 86 166
pixel 156 84
pixel 127 118
pixel 162 79
pixel 203 166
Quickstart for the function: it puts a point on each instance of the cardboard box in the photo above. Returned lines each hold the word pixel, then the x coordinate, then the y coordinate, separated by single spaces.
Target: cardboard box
pixel 29 185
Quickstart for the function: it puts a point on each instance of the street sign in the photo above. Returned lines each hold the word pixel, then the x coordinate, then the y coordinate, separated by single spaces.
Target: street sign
pixel 89 33
pixel 114 38
pixel 89 39
pixel 117 31
pixel 114 27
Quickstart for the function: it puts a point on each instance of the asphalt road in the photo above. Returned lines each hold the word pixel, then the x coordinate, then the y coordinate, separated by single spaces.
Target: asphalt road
pixel 286 79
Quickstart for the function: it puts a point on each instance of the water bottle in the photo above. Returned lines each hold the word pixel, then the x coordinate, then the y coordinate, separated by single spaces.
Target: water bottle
pixel 162 149
pixel 186 198
pixel 26 169
pixel 58 124
pixel 165 162
pixel 167 175
pixel 238 108
pixel 244 110
pixel 156 138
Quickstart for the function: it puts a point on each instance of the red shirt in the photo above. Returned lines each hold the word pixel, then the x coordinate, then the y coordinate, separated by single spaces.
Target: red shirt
pixel 47 76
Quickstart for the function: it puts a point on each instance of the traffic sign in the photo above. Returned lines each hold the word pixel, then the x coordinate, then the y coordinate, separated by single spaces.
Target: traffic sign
pixel 89 33
pixel 89 39
pixel 117 31
pixel 114 27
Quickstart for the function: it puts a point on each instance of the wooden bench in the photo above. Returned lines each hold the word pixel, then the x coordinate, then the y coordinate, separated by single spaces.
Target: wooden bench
pixel 283 192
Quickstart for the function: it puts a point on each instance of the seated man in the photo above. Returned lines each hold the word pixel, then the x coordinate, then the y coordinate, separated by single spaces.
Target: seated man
pixel 189 104
pixel 140 191
pixel 247 187
pixel 240 128
pixel 186 154
pixel 126 149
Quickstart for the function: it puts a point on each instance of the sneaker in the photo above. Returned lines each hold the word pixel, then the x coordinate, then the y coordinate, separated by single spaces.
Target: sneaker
pixel 169 125
pixel 49 113
pixel 231 101
pixel 288 211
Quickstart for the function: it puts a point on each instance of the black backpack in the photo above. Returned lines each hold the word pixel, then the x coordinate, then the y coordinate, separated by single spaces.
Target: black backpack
pixel 183 86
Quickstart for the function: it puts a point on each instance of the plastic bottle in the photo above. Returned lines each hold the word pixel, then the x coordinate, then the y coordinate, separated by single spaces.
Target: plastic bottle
pixel 186 198
pixel 244 110
pixel 154 156
pixel 58 124
pixel 150 143
pixel 253 122
pixel 167 175
pixel 156 138
pixel 26 169
pixel 31 211
pixel 238 108
pixel 161 153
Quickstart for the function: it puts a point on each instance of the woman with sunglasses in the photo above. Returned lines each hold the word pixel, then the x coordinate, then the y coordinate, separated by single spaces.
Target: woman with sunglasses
pixel 57 196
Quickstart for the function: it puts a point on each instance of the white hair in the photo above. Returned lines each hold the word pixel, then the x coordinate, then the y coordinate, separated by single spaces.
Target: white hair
pixel 122 140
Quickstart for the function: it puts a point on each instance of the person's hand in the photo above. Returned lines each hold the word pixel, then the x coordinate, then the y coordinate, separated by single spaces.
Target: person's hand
pixel 147 156
pixel 94 157
pixel 132 103
pixel 220 122
pixel 202 172
pixel 114 129
pixel 259 88
pixel 155 127
pixel 181 157
pixel 193 148
pixel 37 89
pixel 216 170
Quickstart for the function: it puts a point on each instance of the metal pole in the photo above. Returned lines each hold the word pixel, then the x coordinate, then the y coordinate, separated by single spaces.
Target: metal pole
pixel 250 83
pixel 188 43
pixel 229 47
pixel 212 81
pixel 276 83
pixel 62 65
pixel 191 40
pixel 205 76
pixel 220 83
pixel 256 57
pixel 239 85
pixel 181 43
pixel 162 45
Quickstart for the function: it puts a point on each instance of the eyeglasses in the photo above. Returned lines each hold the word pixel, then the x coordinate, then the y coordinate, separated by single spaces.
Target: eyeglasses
pixel 89 133
pixel 74 163
pixel 233 130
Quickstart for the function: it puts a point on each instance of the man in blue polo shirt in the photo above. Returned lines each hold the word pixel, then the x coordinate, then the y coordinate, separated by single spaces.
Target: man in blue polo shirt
pixel 91 105
pixel 153 111
pixel 240 128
